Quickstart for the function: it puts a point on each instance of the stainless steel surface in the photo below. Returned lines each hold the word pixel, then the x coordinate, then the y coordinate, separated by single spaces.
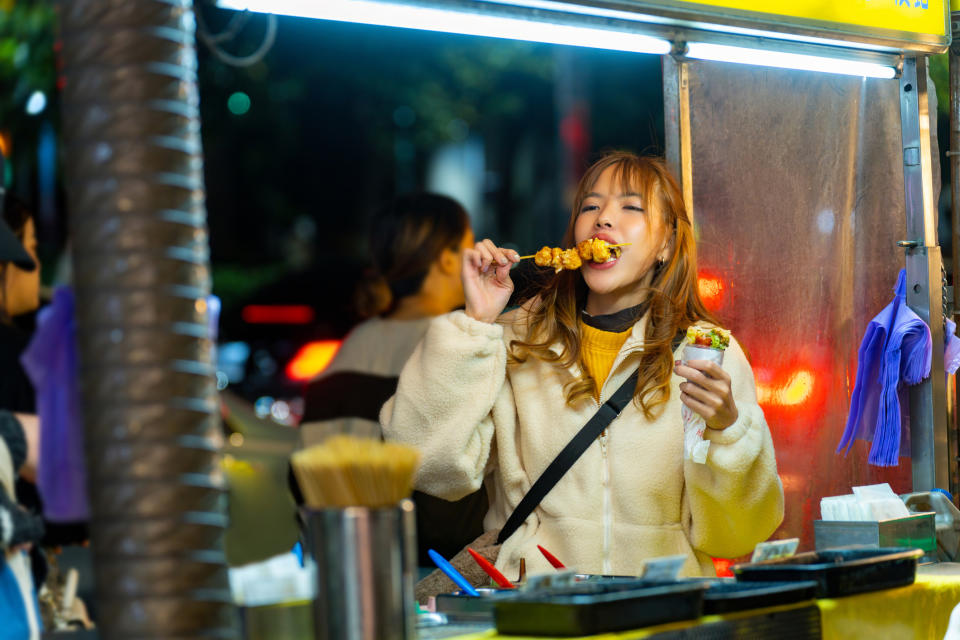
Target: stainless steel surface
pixel 915 531
pixel 954 156
pixel 940 569
pixel 671 114
pixel 366 561
pixel 946 522
pixel 289 621
pixel 953 422
pixel 917 157
pixel 929 442
pixel 676 90
pixel 141 276
pixel 798 188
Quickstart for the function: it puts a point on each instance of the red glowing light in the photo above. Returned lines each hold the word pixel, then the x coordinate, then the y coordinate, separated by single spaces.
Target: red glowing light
pixel 312 359
pixel 790 390
pixel 277 314
pixel 722 565
pixel 711 290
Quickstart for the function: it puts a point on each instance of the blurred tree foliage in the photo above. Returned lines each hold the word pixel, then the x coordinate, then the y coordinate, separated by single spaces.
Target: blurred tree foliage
pixel 26 58
pixel 341 118
pixel 348 109
pixel 27 65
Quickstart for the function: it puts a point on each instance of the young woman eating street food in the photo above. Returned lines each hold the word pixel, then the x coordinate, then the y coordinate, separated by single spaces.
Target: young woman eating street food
pixel 498 395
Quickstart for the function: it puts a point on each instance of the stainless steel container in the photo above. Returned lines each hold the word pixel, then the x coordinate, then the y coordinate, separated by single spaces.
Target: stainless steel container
pixel 914 531
pixel 366 562
pixel 289 620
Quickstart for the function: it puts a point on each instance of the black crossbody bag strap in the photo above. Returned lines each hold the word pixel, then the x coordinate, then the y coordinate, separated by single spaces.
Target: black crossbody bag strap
pixel 570 454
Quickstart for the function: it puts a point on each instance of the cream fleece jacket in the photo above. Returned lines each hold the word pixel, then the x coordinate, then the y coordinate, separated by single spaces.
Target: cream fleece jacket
pixel 630 497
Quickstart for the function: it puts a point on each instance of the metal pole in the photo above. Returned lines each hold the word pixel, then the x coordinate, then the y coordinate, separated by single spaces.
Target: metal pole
pixel 676 108
pixel 929 439
pixel 135 190
pixel 954 156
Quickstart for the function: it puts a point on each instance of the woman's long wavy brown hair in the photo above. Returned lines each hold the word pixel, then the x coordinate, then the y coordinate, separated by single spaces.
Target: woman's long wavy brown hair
pixel 555 305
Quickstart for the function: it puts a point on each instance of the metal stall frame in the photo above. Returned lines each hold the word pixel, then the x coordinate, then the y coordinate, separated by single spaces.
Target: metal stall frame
pixel 953 156
pixel 933 466
pixel 899 40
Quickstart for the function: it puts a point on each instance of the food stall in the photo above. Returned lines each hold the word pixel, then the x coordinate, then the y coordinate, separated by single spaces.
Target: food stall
pixel 801 147
pixel 811 172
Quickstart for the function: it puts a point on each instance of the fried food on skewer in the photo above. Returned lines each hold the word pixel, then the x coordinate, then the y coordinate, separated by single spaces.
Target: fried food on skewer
pixel 597 250
pixel 601 250
pixel 586 249
pixel 593 249
pixel 556 260
pixel 544 257
pixel 571 259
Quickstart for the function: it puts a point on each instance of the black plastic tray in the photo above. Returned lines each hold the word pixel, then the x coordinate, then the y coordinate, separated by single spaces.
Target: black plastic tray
pixel 590 608
pixel 726 596
pixel 839 572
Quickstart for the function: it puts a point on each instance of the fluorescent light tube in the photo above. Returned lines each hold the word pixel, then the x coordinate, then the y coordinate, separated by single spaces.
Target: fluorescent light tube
pixel 765 58
pixel 390 14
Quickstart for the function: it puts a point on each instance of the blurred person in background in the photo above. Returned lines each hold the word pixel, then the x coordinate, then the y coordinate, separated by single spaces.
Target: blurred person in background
pixel 416 247
pixel 32 533
pixel 19 530
pixel 19 300
pixel 20 570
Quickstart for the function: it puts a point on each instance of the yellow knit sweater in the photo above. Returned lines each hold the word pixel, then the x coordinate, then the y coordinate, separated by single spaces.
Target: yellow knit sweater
pixel 599 349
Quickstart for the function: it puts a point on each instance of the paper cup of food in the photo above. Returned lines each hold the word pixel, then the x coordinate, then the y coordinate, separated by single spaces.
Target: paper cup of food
pixel 702 344
pixel 705 344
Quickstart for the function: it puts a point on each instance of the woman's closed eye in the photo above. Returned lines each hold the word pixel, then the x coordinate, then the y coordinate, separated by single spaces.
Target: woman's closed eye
pixel 588 207
pixel 633 207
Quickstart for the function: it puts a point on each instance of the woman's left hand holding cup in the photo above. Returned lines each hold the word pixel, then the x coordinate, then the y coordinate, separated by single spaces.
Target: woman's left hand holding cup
pixel 708 392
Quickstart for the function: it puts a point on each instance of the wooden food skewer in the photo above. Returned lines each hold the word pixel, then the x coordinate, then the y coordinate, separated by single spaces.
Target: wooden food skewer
pixel 622 244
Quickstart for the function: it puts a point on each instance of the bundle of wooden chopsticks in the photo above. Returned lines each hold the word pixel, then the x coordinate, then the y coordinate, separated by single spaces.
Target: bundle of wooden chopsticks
pixel 346 471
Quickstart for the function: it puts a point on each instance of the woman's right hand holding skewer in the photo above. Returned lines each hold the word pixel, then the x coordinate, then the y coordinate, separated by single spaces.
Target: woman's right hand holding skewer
pixel 486 279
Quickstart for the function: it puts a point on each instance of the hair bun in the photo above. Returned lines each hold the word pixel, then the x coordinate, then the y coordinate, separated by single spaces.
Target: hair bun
pixel 372 296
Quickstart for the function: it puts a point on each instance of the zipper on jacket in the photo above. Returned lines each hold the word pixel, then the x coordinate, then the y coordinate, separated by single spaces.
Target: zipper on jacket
pixel 605 471
pixel 607 509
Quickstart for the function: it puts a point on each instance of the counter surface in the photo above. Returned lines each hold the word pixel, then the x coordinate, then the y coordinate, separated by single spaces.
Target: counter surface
pixel 920 611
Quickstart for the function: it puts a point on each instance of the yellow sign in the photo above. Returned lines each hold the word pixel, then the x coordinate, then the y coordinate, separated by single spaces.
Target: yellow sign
pixel 910 16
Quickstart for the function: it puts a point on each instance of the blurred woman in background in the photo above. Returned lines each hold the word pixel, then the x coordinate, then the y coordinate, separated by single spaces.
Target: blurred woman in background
pixel 416 247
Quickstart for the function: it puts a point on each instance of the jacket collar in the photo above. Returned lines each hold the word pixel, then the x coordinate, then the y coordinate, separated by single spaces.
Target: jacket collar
pixel 633 343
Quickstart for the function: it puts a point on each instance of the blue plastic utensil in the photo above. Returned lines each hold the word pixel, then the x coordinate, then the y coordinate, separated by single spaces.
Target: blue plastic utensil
pixel 452 573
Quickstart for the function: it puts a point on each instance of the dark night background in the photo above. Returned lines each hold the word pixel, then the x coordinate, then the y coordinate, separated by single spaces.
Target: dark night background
pixel 342 117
